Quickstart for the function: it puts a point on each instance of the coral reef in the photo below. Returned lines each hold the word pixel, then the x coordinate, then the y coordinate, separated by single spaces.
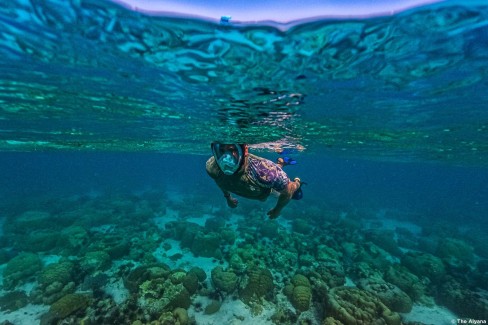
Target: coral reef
pixel 425 265
pixel 13 300
pixel 94 281
pixel 39 241
pixel 237 264
pixel 328 254
pixel 114 244
pixel 61 272
pixel 160 295
pixel 73 239
pixel 190 282
pixel 19 269
pixel 100 267
pixel 455 249
pixel 258 284
pixel 55 281
pixel 95 261
pixel 392 296
pixel 481 274
pixel 65 307
pixel 206 245
pixel 29 221
pixel 199 272
pixel 300 280
pixel 299 292
pixel 407 281
pixel 301 297
pixel 134 278
pixel 224 281
pixel 331 321
pixel 181 316
pixel 462 300
pixel 214 224
pixel 184 231
pixel 384 239
pixel 332 274
pixel 353 306
pixel 228 236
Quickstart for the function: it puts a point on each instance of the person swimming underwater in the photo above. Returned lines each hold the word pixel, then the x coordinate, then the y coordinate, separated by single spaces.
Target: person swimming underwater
pixel 236 171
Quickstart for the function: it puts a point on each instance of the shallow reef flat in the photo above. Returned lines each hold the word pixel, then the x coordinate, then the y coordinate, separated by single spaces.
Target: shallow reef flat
pixel 168 258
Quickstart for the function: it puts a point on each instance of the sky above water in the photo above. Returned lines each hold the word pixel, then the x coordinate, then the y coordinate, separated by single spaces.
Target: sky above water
pixel 275 10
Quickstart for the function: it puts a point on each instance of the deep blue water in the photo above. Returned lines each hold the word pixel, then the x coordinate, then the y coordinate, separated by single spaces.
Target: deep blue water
pixel 430 191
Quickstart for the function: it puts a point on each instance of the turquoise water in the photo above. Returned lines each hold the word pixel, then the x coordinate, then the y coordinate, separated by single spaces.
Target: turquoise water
pixel 106 211
pixel 90 75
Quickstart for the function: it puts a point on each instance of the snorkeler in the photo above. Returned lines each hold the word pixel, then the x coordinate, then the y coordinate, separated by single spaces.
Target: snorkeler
pixel 247 175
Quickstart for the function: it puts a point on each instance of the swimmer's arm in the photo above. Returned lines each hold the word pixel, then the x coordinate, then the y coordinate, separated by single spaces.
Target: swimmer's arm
pixel 231 201
pixel 284 198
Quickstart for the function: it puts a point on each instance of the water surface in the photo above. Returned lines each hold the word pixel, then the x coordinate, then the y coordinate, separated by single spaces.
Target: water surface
pixel 94 76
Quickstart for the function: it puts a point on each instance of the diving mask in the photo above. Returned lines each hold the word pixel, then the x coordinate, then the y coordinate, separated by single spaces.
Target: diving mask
pixel 228 157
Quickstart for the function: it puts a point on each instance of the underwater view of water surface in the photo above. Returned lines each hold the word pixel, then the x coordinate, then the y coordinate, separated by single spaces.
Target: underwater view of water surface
pixel 108 215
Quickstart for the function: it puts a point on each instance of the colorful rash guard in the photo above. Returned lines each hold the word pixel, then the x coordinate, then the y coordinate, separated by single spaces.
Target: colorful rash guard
pixel 263 172
pixel 256 181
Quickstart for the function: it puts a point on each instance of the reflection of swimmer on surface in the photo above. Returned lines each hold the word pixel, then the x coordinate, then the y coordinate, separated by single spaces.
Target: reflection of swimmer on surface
pixel 236 171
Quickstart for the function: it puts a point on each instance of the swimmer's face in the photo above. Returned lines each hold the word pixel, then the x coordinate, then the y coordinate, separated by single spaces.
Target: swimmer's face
pixel 228 157
pixel 230 149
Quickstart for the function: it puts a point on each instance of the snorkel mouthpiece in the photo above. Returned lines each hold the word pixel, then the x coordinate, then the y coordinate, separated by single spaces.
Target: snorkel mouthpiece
pixel 227 164
pixel 228 157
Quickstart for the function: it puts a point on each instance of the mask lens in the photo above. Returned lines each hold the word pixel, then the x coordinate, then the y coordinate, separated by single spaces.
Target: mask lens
pixel 228 157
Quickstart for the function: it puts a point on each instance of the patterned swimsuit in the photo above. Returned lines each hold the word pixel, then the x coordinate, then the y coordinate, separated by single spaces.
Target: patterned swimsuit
pixel 265 173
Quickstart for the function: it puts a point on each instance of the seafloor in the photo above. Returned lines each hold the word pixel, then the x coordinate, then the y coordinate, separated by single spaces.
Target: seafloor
pixel 167 258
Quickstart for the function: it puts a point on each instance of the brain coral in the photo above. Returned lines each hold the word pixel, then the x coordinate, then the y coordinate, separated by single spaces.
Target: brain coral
pixel 300 280
pixel 225 281
pixel 332 274
pixel 259 284
pixel 353 306
pixel 181 316
pixel 64 307
pixel 301 298
pixel 392 296
pixel 57 272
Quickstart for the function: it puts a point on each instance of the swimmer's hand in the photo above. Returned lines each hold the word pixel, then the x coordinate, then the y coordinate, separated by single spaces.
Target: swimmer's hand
pixel 231 202
pixel 273 213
